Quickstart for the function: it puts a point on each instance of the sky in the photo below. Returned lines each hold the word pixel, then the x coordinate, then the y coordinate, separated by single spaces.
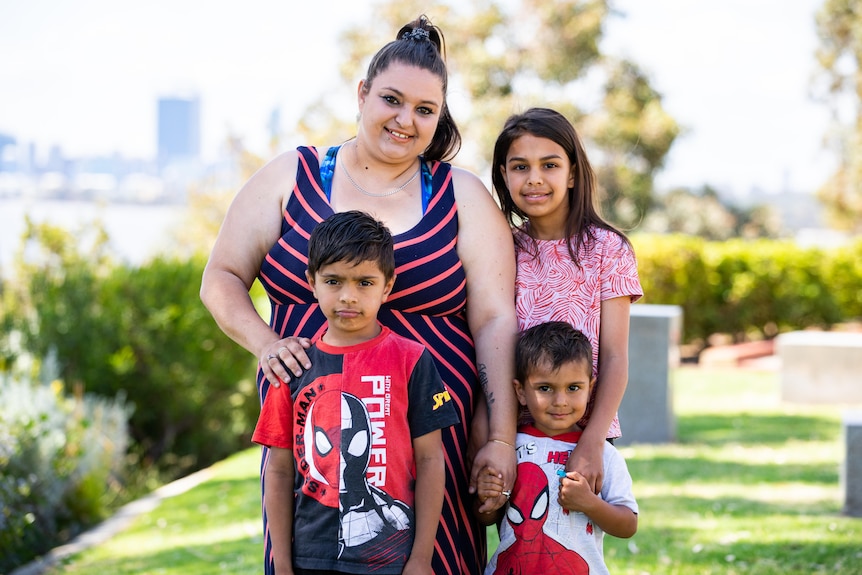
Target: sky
pixel 86 75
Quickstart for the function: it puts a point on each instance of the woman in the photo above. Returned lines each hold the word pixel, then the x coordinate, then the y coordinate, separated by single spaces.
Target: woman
pixel 454 290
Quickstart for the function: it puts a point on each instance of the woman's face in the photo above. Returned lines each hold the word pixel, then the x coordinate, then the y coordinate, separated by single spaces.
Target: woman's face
pixel 399 112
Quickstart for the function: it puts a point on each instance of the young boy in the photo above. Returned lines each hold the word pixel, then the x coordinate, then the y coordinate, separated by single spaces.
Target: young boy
pixel 554 521
pixel 355 475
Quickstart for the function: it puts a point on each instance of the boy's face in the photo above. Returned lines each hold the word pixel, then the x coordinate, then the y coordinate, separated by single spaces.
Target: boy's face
pixel 557 399
pixel 350 296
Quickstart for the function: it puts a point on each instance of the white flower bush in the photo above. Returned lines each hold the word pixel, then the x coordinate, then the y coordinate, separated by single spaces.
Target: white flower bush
pixel 59 460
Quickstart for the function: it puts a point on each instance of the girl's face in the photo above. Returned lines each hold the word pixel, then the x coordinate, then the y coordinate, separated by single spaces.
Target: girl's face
pixel 539 175
pixel 399 112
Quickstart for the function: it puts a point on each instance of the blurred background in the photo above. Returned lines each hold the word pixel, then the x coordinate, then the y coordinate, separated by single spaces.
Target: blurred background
pixel 725 137
pixel 120 111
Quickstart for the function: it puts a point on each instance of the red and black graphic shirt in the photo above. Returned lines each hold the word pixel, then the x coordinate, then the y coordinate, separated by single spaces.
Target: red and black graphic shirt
pixel 350 421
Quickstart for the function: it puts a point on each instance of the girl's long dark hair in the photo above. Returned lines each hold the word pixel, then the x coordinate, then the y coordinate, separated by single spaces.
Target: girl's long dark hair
pixel 583 213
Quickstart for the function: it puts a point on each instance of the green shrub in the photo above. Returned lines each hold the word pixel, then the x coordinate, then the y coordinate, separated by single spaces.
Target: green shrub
pixel 750 288
pixel 673 272
pixel 59 462
pixel 843 276
pixel 143 332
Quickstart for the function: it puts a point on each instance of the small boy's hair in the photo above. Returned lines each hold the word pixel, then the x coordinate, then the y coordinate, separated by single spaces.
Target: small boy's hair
pixel 352 237
pixel 551 344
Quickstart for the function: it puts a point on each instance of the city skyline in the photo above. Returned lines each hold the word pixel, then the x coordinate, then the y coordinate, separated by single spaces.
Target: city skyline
pixel 87 78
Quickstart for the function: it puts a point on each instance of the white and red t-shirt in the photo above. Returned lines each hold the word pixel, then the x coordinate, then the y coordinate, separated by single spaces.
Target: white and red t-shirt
pixel 538 535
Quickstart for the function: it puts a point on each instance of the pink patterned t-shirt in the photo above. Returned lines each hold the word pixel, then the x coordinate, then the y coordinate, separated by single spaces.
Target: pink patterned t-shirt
pixel 551 287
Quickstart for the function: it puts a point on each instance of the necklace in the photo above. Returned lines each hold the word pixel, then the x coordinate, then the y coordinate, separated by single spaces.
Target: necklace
pixel 371 194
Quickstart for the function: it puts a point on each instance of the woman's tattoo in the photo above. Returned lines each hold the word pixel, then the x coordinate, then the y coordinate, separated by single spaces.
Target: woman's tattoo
pixel 483 381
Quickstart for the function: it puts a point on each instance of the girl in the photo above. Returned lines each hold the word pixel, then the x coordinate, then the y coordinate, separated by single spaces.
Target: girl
pixel 572 265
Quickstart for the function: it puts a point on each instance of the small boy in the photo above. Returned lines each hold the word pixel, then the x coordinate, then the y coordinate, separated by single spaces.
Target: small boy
pixel 355 475
pixel 554 521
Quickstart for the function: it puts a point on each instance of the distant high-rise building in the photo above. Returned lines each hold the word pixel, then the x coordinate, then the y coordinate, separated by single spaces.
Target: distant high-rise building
pixel 5 163
pixel 179 130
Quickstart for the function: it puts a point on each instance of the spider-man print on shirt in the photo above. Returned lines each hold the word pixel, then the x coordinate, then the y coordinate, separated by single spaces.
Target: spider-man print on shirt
pixel 338 451
pixel 533 550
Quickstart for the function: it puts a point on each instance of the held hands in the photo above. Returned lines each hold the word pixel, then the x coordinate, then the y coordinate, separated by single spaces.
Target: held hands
pixel 499 458
pixel 587 461
pixel 490 490
pixel 283 355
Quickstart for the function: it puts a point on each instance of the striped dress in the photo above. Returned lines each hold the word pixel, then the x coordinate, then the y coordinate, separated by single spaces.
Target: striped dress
pixel 427 304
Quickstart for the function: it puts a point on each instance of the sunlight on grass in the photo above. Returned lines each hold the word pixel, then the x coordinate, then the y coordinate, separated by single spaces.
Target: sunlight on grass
pixel 213 528
pixel 751 487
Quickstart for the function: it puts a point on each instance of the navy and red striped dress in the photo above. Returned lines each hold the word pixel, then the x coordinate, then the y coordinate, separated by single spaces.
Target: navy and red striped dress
pixel 427 305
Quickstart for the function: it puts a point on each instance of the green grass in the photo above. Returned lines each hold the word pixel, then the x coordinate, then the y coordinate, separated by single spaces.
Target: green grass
pixel 752 487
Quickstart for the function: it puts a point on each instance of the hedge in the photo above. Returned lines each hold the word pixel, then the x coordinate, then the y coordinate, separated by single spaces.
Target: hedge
pixel 750 288
pixel 140 331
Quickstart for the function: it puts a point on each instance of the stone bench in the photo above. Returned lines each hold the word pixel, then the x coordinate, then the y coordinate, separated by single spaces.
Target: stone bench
pixel 646 412
pixel 851 471
pixel 820 367
pixel 826 368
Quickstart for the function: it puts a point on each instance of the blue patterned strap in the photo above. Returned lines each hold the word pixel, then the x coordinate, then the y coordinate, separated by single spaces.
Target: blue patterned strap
pixel 327 168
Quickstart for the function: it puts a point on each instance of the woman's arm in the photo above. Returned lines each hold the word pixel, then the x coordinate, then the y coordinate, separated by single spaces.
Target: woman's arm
pixel 278 501
pixel 487 253
pixel 428 500
pixel 251 227
pixel 612 381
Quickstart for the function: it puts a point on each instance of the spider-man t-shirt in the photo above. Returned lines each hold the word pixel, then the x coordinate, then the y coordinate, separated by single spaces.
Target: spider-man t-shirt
pixel 350 421
pixel 537 534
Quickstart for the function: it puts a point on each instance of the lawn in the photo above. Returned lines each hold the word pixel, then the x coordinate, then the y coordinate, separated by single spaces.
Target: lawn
pixel 751 486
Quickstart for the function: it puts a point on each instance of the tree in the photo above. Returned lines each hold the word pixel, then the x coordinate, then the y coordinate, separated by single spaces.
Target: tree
pixel 703 213
pixel 209 200
pixel 839 28
pixel 510 55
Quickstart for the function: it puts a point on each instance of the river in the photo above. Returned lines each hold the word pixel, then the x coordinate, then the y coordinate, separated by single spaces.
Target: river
pixel 136 231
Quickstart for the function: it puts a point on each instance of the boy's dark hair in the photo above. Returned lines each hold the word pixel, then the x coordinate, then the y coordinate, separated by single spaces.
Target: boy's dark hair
pixel 351 237
pixel 553 344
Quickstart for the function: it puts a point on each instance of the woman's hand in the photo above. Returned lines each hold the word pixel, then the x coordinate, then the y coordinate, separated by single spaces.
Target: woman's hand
pixel 586 460
pixel 283 355
pixel 491 491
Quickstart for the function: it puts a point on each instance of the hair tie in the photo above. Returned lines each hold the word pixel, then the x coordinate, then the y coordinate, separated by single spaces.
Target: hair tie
pixel 417 34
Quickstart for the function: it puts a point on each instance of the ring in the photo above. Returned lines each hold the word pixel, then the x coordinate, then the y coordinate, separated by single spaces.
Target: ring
pixel 271 356
pixel 281 349
pixel 507 493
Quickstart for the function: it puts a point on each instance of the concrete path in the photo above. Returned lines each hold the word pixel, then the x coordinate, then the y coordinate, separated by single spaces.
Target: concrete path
pixel 119 521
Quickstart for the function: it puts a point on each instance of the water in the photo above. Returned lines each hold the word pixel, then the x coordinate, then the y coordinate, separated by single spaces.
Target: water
pixel 136 231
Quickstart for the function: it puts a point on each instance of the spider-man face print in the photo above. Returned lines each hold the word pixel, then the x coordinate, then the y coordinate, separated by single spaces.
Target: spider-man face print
pixel 528 507
pixel 355 441
pixel 323 439
pixel 534 551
